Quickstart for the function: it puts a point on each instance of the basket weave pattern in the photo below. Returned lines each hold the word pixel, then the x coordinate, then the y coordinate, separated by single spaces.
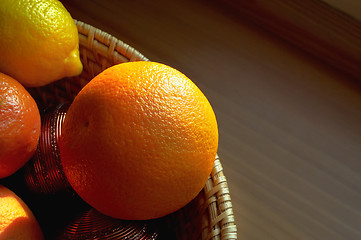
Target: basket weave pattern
pixel 210 215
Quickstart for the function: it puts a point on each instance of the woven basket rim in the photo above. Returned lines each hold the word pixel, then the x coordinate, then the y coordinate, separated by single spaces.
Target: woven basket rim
pixel 100 50
pixel 221 224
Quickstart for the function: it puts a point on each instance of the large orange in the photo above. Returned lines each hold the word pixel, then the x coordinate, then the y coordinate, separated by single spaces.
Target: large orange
pixel 19 125
pixel 16 219
pixel 139 141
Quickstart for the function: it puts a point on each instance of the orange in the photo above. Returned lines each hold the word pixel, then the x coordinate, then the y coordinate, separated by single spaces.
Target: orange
pixel 16 219
pixel 19 125
pixel 139 141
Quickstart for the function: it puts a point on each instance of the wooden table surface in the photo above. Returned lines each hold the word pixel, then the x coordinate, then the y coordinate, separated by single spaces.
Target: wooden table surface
pixel 289 125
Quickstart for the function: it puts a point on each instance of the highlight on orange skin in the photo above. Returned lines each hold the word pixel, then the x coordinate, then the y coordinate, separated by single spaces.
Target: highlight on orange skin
pixel 16 219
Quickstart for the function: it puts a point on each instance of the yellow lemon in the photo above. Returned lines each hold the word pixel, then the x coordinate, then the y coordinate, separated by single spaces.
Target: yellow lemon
pixel 39 41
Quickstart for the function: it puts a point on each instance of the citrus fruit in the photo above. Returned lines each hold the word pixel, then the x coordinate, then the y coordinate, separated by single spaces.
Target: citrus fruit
pixel 19 125
pixel 16 219
pixel 39 41
pixel 139 141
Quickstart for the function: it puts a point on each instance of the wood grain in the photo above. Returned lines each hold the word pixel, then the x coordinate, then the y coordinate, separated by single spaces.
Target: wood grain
pixel 312 25
pixel 289 124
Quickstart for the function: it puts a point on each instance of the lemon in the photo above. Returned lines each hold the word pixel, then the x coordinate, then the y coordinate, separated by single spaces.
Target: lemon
pixel 39 41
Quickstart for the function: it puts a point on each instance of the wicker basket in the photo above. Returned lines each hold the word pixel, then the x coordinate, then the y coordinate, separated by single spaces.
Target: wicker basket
pixel 210 214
